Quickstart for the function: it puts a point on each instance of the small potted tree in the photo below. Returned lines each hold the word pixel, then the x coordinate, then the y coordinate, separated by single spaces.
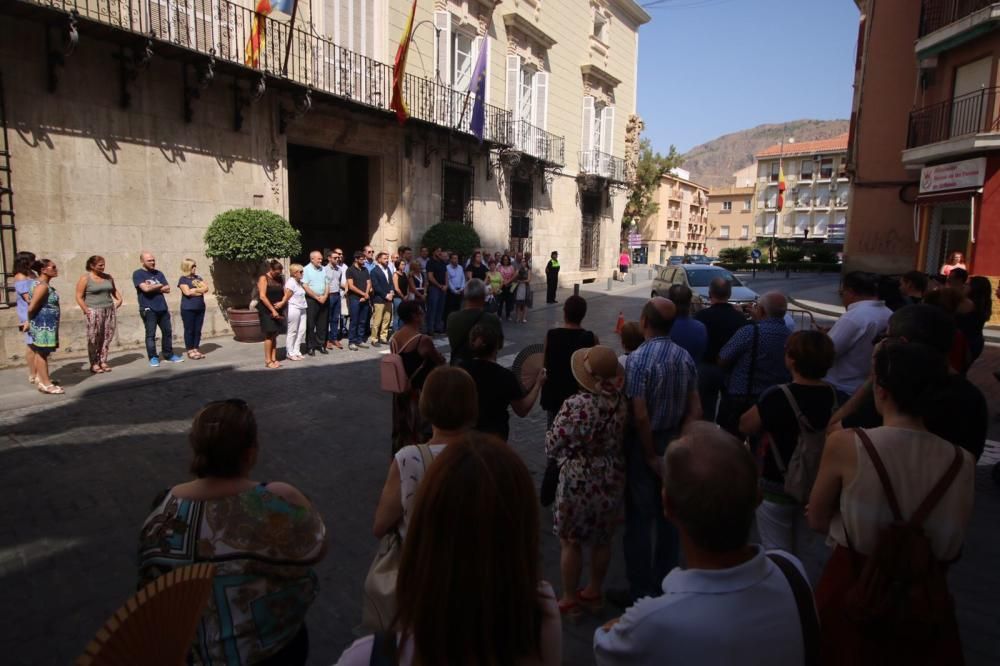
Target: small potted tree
pixel 239 241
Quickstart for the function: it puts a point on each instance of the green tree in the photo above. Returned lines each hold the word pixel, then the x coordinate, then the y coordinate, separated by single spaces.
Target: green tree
pixel 650 169
pixel 734 255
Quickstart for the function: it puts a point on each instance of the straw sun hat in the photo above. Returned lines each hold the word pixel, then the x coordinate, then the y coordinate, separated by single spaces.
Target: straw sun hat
pixel 597 369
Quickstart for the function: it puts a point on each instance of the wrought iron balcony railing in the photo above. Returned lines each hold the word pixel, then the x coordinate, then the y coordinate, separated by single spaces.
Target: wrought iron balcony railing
pixel 594 162
pixel 974 113
pixel 538 143
pixel 936 14
pixel 222 29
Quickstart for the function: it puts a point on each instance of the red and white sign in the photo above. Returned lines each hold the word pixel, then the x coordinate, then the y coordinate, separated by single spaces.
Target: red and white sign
pixel 953 176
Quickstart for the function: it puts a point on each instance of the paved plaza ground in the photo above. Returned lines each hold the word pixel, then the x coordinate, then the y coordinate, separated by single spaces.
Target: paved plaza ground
pixel 80 471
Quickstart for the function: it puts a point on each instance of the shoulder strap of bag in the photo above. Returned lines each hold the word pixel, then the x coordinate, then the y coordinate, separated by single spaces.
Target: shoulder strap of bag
pixel 426 457
pixel 383 649
pixel 392 344
pixel 804 602
pixel 754 348
pixel 883 475
pixel 938 491
pixel 793 403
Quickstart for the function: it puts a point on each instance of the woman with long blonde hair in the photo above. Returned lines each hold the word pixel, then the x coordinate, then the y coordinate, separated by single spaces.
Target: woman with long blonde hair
pixel 193 289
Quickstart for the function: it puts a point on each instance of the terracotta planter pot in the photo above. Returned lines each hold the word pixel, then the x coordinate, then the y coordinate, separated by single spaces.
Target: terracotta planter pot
pixel 245 324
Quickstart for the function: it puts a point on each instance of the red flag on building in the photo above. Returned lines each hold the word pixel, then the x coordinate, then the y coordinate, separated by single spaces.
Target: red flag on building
pixel 781 187
pixel 398 104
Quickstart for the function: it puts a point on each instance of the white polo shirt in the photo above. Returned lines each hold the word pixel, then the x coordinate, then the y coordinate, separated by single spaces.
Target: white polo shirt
pixel 744 615
pixel 853 342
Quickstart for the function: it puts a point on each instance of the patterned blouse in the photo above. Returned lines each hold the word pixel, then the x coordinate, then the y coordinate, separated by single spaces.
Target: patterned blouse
pixel 263 549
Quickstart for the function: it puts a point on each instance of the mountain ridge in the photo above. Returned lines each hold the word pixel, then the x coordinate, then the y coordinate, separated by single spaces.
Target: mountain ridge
pixel 713 163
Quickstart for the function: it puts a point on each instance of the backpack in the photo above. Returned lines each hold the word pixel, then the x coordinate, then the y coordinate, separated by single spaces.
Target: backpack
pixel 803 465
pixel 902 592
pixel 393 371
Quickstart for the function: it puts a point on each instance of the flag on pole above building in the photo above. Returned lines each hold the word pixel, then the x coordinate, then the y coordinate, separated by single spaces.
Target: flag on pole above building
pixel 781 186
pixel 477 86
pixel 255 44
pixel 398 104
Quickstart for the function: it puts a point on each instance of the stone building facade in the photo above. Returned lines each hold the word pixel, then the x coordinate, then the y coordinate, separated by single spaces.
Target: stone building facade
pixel 730 218
pixel 680 225
pixel 132 124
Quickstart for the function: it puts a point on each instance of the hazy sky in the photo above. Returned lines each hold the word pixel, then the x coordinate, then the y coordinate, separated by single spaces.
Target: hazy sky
pixel 709 67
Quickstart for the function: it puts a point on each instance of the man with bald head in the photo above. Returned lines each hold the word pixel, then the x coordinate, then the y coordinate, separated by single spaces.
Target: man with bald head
pixel 661 383
pixel 730 595
pixel 755 359
pixel 150 287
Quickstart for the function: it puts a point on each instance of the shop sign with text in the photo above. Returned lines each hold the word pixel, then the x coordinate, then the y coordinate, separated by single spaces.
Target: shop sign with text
pixel 953 176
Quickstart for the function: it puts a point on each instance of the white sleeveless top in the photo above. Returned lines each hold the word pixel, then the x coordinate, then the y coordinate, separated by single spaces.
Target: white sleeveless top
pixel 411 473
pixel 915 462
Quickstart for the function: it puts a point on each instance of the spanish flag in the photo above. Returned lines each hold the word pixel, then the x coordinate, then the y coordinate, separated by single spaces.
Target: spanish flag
pixel 256 42
pixel 781 187
pixel 398 104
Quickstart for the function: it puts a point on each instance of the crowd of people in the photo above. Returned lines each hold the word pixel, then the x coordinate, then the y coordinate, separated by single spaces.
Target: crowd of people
pixel 797 483
pixel 790 491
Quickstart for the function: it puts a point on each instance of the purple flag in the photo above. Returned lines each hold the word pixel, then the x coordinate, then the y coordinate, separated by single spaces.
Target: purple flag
pixel 478 86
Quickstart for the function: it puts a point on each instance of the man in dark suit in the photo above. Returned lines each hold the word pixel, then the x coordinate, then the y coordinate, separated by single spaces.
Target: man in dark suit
pixel 382 296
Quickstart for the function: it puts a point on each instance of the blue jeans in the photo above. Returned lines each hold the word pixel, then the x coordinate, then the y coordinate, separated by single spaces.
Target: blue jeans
pixel 644 521
pixel 359 313
pixel 435 310
pixel 153 319
pixel 193 320
pixel 333 307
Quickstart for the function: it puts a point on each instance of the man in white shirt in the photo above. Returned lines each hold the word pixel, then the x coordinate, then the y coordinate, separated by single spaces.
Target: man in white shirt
pixel 336 280
pixel 456 286
pixel 854 333
pixel 733 603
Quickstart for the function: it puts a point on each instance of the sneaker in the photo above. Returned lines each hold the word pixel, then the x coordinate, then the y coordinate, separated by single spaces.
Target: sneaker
pixel 176 359
pixel 376 344
pixel 352 347
pixel 361 345
pixel 154 362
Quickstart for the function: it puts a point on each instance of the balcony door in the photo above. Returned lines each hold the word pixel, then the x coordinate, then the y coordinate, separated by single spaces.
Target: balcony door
pixel 520 215
pixel 970 98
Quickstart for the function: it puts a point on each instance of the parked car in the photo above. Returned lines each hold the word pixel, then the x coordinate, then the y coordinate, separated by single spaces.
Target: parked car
pixel 698 277
pixel 675 260
pixel 699 259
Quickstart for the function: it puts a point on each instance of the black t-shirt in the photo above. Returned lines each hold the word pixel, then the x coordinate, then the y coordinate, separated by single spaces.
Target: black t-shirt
pixel 960 416
pixel 721 320
pixel 560 343
pixel 817 404
pixel 497 387
pixel 439 270
pixel 459 326
pixel 361 277
pixel 478 272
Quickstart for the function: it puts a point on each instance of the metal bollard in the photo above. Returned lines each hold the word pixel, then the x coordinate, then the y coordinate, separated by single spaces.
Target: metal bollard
pixel 650 274
pixel 576 289
pixel 609 284
pixel 633 277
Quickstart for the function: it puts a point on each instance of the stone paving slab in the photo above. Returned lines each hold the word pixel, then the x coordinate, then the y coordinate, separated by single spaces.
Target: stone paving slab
pixel 80 471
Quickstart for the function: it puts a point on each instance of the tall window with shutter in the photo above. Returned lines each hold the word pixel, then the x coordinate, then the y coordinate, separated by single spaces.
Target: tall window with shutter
pixel 587 137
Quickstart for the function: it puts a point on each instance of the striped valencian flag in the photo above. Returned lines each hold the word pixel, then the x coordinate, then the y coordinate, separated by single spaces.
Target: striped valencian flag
pixel 256 42
pixel 398 104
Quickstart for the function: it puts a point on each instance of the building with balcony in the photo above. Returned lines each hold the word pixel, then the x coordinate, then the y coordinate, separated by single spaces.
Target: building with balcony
pixel 817 194
pixel 730 218
pixel 680 225
pixel 925 143
pixel 132 123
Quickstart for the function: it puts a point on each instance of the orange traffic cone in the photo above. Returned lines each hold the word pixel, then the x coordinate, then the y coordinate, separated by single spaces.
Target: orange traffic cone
pixel 620 324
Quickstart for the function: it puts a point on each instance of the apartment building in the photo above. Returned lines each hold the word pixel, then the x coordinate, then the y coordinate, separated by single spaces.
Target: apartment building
pixel 132 123
pixel 730 218
pixel 925 141
pixel 680 225
pixel 817 191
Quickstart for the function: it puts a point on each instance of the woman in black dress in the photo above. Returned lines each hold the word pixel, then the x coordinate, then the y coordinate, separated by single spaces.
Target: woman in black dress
pixel 560 343
pixel 271 299
pixel 420 356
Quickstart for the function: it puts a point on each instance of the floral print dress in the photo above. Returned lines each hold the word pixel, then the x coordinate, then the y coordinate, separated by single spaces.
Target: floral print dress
pixel 586 441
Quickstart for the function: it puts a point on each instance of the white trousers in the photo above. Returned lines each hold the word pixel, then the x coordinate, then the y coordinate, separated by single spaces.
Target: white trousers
pixel 784 527
pixel 296 331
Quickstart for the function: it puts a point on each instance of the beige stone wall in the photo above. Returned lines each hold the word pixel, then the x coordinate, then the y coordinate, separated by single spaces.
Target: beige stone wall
pixel 92 178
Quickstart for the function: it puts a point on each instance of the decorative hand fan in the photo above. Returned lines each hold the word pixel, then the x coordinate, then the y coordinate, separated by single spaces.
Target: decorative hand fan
pixel 527 363
pixel 157 625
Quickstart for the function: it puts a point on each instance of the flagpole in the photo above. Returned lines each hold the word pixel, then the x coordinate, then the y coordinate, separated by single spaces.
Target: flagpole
pixel 291 31
pixel 468 93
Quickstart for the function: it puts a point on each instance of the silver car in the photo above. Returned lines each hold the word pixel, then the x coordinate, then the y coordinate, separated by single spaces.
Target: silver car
pixel 698 277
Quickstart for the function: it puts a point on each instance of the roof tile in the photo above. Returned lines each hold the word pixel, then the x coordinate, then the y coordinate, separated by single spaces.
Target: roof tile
pixel 836 144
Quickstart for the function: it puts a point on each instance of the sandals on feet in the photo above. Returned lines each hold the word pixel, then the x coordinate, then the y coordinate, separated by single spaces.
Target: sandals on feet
pixel 569 609
pixel 591 604
pixel 96 369
pixel 105 367
pixel 51 389
pixel 273 365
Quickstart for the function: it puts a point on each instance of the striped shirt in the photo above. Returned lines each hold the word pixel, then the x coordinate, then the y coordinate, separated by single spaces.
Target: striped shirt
pixel 662 373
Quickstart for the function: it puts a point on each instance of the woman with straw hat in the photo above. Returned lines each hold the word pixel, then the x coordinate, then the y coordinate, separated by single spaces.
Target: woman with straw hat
pixel 586 441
